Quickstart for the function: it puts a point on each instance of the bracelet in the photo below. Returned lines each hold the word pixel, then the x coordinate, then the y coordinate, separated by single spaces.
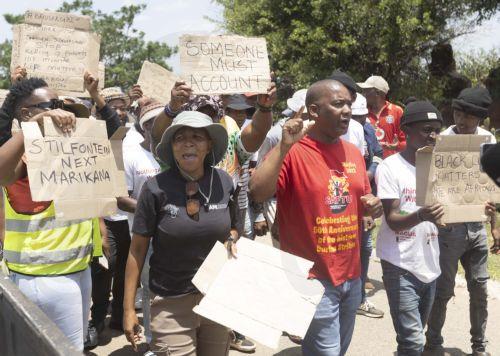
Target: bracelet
pixel 263 108
pixel 169 112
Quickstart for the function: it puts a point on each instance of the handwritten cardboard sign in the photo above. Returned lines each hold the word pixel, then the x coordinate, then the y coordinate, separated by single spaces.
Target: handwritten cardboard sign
pixel 58 19
pixel 450 174
pixel 156 82
pixel 224 64
pixel 82 172
pixel 60 55
pixel 101 74
pixel 275 295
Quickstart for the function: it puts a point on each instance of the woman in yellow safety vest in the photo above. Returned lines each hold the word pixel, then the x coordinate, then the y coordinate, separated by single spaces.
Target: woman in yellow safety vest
pixel 48 259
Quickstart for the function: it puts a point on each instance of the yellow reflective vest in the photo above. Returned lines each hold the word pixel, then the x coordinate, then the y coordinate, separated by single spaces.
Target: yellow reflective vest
pixel 40 245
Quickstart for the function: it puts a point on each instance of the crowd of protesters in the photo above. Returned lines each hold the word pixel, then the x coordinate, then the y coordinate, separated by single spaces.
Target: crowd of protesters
pixel 201 169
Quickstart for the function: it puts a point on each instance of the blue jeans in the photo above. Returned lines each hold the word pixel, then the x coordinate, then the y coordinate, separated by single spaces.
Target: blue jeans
pixel 332 326
pixel 410 302
pixel 366 252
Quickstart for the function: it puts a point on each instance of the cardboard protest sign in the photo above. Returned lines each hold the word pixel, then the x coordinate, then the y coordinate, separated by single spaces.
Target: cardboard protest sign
pixel 450 174
pixel 82 172
pixel 156 82
pixel 101 74
pixel 224 64
pixel 3 95
pixel 57 19
pixel 275 295
pixel 59 55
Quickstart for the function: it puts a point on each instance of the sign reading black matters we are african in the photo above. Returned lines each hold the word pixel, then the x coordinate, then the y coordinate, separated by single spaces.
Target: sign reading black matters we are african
pixel 224 64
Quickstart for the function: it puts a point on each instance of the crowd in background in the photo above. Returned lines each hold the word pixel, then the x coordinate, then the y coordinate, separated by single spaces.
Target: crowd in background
pixel 202 169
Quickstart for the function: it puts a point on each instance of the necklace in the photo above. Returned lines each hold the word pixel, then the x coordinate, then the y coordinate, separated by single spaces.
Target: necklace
pixel 207 198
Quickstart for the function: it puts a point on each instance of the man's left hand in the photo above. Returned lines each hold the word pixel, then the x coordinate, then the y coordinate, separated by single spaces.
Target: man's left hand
pixel 372 205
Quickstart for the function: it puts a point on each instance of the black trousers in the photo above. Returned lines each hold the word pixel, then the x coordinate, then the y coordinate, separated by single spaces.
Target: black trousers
pixel 119 245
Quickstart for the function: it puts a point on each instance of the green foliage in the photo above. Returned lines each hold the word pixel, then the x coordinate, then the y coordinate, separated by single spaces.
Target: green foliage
pixel 123 47
pixel 308 39
pixel 477 65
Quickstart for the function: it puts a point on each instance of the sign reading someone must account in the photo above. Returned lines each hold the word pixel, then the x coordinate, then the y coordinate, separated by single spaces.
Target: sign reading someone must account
pixel 224 64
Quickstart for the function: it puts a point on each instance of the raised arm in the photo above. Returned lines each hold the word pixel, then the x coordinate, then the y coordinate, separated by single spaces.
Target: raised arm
pixel 254 134
pixel 107 114
pixel 262 185
pixel 179 96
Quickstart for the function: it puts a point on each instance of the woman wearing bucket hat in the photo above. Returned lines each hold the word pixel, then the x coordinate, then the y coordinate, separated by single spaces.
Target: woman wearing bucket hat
pixel 185 210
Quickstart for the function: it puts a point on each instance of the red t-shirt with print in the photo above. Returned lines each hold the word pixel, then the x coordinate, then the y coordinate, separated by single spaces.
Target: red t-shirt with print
pixel 319 206
pixel 388 127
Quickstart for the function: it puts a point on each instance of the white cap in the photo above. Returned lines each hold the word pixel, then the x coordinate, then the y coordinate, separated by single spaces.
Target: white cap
pixel 297 100
pixel 377 82
pixel 359 106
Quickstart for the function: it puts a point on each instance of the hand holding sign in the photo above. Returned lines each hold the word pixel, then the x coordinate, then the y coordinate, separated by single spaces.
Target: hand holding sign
pixel 18 74
pixel 269 99
pixel 62 119
pixel 91 84
pixel 180 95
pixel 432 213
pixel 135 92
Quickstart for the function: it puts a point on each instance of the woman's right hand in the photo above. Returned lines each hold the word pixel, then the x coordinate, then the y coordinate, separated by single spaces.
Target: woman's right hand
pixel 131 328
pixel 179 95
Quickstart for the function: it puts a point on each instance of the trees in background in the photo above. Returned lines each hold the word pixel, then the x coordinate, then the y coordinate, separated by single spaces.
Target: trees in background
pixel 308 39
pixel 123 47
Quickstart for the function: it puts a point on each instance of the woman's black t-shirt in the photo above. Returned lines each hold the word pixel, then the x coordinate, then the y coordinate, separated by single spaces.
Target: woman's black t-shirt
pixel 181 244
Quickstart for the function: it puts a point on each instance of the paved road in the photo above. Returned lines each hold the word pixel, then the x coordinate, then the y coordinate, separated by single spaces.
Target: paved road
pixel 371 336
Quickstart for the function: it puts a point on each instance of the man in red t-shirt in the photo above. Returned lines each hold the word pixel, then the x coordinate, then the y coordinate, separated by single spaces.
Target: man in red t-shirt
pixel 322 188
pixel 384 116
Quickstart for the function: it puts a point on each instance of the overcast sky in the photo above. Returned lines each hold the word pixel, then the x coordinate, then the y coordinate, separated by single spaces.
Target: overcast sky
pixel 167 19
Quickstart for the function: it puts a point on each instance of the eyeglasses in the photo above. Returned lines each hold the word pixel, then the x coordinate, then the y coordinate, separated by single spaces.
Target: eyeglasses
pixel 49 105
pixel 192 205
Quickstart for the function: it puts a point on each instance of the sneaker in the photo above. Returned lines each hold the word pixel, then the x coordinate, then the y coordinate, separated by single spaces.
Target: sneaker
pixel 91 339
pixel 242 344
pixel 369 310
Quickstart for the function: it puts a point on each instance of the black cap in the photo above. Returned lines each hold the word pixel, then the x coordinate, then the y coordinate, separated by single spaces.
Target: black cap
pixel 345 79
pixel 418 111
pixel 473 101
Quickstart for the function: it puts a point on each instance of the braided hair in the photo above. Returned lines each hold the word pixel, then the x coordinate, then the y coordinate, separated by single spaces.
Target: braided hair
pixel 19 92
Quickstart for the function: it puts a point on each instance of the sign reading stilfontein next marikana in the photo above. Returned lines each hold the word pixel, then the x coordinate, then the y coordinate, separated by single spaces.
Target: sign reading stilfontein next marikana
pixel 79 169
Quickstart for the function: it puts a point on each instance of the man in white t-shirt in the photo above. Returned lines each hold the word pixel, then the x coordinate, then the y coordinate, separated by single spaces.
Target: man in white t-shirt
pixel 407 241
pixel 140 165
pixel 465 242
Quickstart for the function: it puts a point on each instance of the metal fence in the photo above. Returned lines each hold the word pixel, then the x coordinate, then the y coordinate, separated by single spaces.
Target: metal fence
pixel 25 329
